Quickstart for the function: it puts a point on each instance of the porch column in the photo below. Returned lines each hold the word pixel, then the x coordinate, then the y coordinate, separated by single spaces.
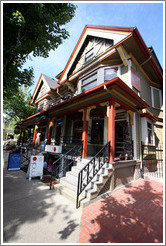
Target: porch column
pixel 35 135
pixel 85 133
pixel 111 128
pixel 49 131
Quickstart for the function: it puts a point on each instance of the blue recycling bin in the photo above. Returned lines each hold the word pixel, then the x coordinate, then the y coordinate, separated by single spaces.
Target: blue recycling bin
pixel 14 162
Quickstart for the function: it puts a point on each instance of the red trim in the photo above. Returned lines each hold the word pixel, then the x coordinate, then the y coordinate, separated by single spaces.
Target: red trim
pixel 116 81
pixel 150 117
pixel 96 27
pixel 146 52
pixel 36 87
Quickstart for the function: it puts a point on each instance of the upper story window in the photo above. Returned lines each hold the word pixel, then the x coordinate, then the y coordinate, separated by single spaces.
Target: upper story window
pixel 156 98
pixel 89 82
pixel 89 55
pixel 110 73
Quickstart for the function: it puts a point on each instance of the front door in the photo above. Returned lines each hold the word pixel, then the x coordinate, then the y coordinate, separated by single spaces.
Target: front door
pixel 58 132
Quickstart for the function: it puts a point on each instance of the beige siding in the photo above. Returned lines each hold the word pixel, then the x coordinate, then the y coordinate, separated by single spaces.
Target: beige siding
pixel 124 74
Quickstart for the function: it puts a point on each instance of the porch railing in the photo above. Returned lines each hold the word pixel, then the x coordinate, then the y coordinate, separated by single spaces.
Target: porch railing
pixel 69 140
pixel 61 165
pixel 90 170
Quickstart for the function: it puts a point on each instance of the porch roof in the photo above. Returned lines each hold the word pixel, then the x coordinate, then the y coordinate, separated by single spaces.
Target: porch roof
pixel 114 88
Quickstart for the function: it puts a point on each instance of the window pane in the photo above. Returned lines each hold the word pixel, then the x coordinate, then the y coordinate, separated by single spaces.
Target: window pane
pixel 89 79
pixel 89 86
pixel 89 55
pixel 156 97
pixel 110 73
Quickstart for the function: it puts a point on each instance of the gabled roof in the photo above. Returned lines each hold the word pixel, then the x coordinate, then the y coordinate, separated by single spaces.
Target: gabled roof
pixel 127 37
pixel 98 31
pixel 49 82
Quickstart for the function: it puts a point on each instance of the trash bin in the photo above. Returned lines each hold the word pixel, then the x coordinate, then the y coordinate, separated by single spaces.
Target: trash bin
pixel 14 162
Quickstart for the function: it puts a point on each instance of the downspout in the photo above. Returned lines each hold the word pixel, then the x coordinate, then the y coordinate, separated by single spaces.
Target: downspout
pixel 146 61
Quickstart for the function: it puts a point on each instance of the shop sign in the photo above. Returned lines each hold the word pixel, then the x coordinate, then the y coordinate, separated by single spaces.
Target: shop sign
pixel 35 168
pixel 53 148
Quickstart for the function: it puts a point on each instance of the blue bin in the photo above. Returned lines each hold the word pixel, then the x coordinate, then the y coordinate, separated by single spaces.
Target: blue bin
pixel 14 162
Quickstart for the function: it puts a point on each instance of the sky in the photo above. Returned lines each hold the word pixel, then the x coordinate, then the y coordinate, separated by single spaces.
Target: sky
pixel 146 16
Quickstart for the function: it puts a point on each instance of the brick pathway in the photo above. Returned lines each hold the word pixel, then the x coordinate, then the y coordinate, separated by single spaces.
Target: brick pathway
pixel 133 214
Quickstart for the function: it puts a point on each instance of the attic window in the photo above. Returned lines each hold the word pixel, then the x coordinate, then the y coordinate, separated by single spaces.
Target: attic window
pixel 89 55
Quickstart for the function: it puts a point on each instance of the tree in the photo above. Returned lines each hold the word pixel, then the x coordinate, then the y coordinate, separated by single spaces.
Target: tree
pixel 18 108
pixel 30 28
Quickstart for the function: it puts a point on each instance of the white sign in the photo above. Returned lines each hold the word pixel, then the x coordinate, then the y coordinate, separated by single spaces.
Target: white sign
pixel 36 166
pixel 53 148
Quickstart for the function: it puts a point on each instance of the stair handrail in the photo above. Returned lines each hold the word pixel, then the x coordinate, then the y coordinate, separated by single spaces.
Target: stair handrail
pixel 94 169
pixel 78 152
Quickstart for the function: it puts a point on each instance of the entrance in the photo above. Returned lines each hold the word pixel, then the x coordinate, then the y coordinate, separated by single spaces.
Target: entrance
pixel 123 142
pixel 58 132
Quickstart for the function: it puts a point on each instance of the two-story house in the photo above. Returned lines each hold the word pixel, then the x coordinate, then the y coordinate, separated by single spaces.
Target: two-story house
pixel 110 90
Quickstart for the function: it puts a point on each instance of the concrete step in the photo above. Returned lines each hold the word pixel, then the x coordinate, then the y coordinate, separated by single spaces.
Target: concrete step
pixel 70 194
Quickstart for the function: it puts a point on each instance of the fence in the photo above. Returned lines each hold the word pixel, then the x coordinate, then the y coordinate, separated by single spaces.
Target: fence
pixel 152 161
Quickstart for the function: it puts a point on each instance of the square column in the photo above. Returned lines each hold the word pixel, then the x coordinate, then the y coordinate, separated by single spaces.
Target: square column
pixel 49 132
pixel 85 133
pixel 35 135
pixel 111 128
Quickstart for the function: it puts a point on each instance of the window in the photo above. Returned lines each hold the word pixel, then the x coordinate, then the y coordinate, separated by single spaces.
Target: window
pixel 110 73
pixel 156 97
pixel 89 55
pixel 89 82
pixel 150 133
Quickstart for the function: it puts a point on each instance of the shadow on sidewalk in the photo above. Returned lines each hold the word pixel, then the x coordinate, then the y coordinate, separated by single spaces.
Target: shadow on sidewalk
pixel 30 204
pixel 133 214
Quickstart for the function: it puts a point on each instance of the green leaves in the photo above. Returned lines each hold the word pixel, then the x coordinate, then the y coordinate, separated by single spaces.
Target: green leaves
pixel 30 28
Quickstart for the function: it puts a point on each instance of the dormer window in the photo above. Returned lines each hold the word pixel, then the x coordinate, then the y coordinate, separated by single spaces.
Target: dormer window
pixel 89 55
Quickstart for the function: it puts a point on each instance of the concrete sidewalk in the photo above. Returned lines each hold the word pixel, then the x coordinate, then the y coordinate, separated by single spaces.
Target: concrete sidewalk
pixel 34 214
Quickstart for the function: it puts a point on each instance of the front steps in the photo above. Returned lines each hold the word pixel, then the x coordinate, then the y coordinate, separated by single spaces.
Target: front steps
pixel 68 184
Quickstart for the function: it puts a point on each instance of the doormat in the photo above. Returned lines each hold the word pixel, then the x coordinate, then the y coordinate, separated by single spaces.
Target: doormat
pixel 46 180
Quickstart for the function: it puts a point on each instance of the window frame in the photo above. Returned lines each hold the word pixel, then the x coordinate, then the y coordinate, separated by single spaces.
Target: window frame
pixel 152 97
pixel 90 57
pixel 112 67
pixel 93 80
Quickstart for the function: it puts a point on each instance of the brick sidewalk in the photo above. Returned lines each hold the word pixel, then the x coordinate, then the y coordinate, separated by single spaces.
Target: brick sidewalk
pixel 133 214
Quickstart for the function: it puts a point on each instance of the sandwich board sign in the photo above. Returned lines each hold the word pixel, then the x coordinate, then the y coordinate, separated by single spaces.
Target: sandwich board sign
pixel 14 162
pixel 35 168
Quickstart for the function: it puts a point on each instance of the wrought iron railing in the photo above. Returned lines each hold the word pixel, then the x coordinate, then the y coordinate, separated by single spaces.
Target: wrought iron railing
pixel 64 163
pixel 152 160
pixel 90 170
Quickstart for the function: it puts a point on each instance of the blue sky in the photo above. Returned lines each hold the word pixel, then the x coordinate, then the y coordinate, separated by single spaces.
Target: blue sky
pixel 146 16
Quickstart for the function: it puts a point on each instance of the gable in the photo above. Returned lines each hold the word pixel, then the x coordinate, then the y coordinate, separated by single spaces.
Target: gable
pixel 109 33
pixel 44 85
pixel 43 89
pixel 92 47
